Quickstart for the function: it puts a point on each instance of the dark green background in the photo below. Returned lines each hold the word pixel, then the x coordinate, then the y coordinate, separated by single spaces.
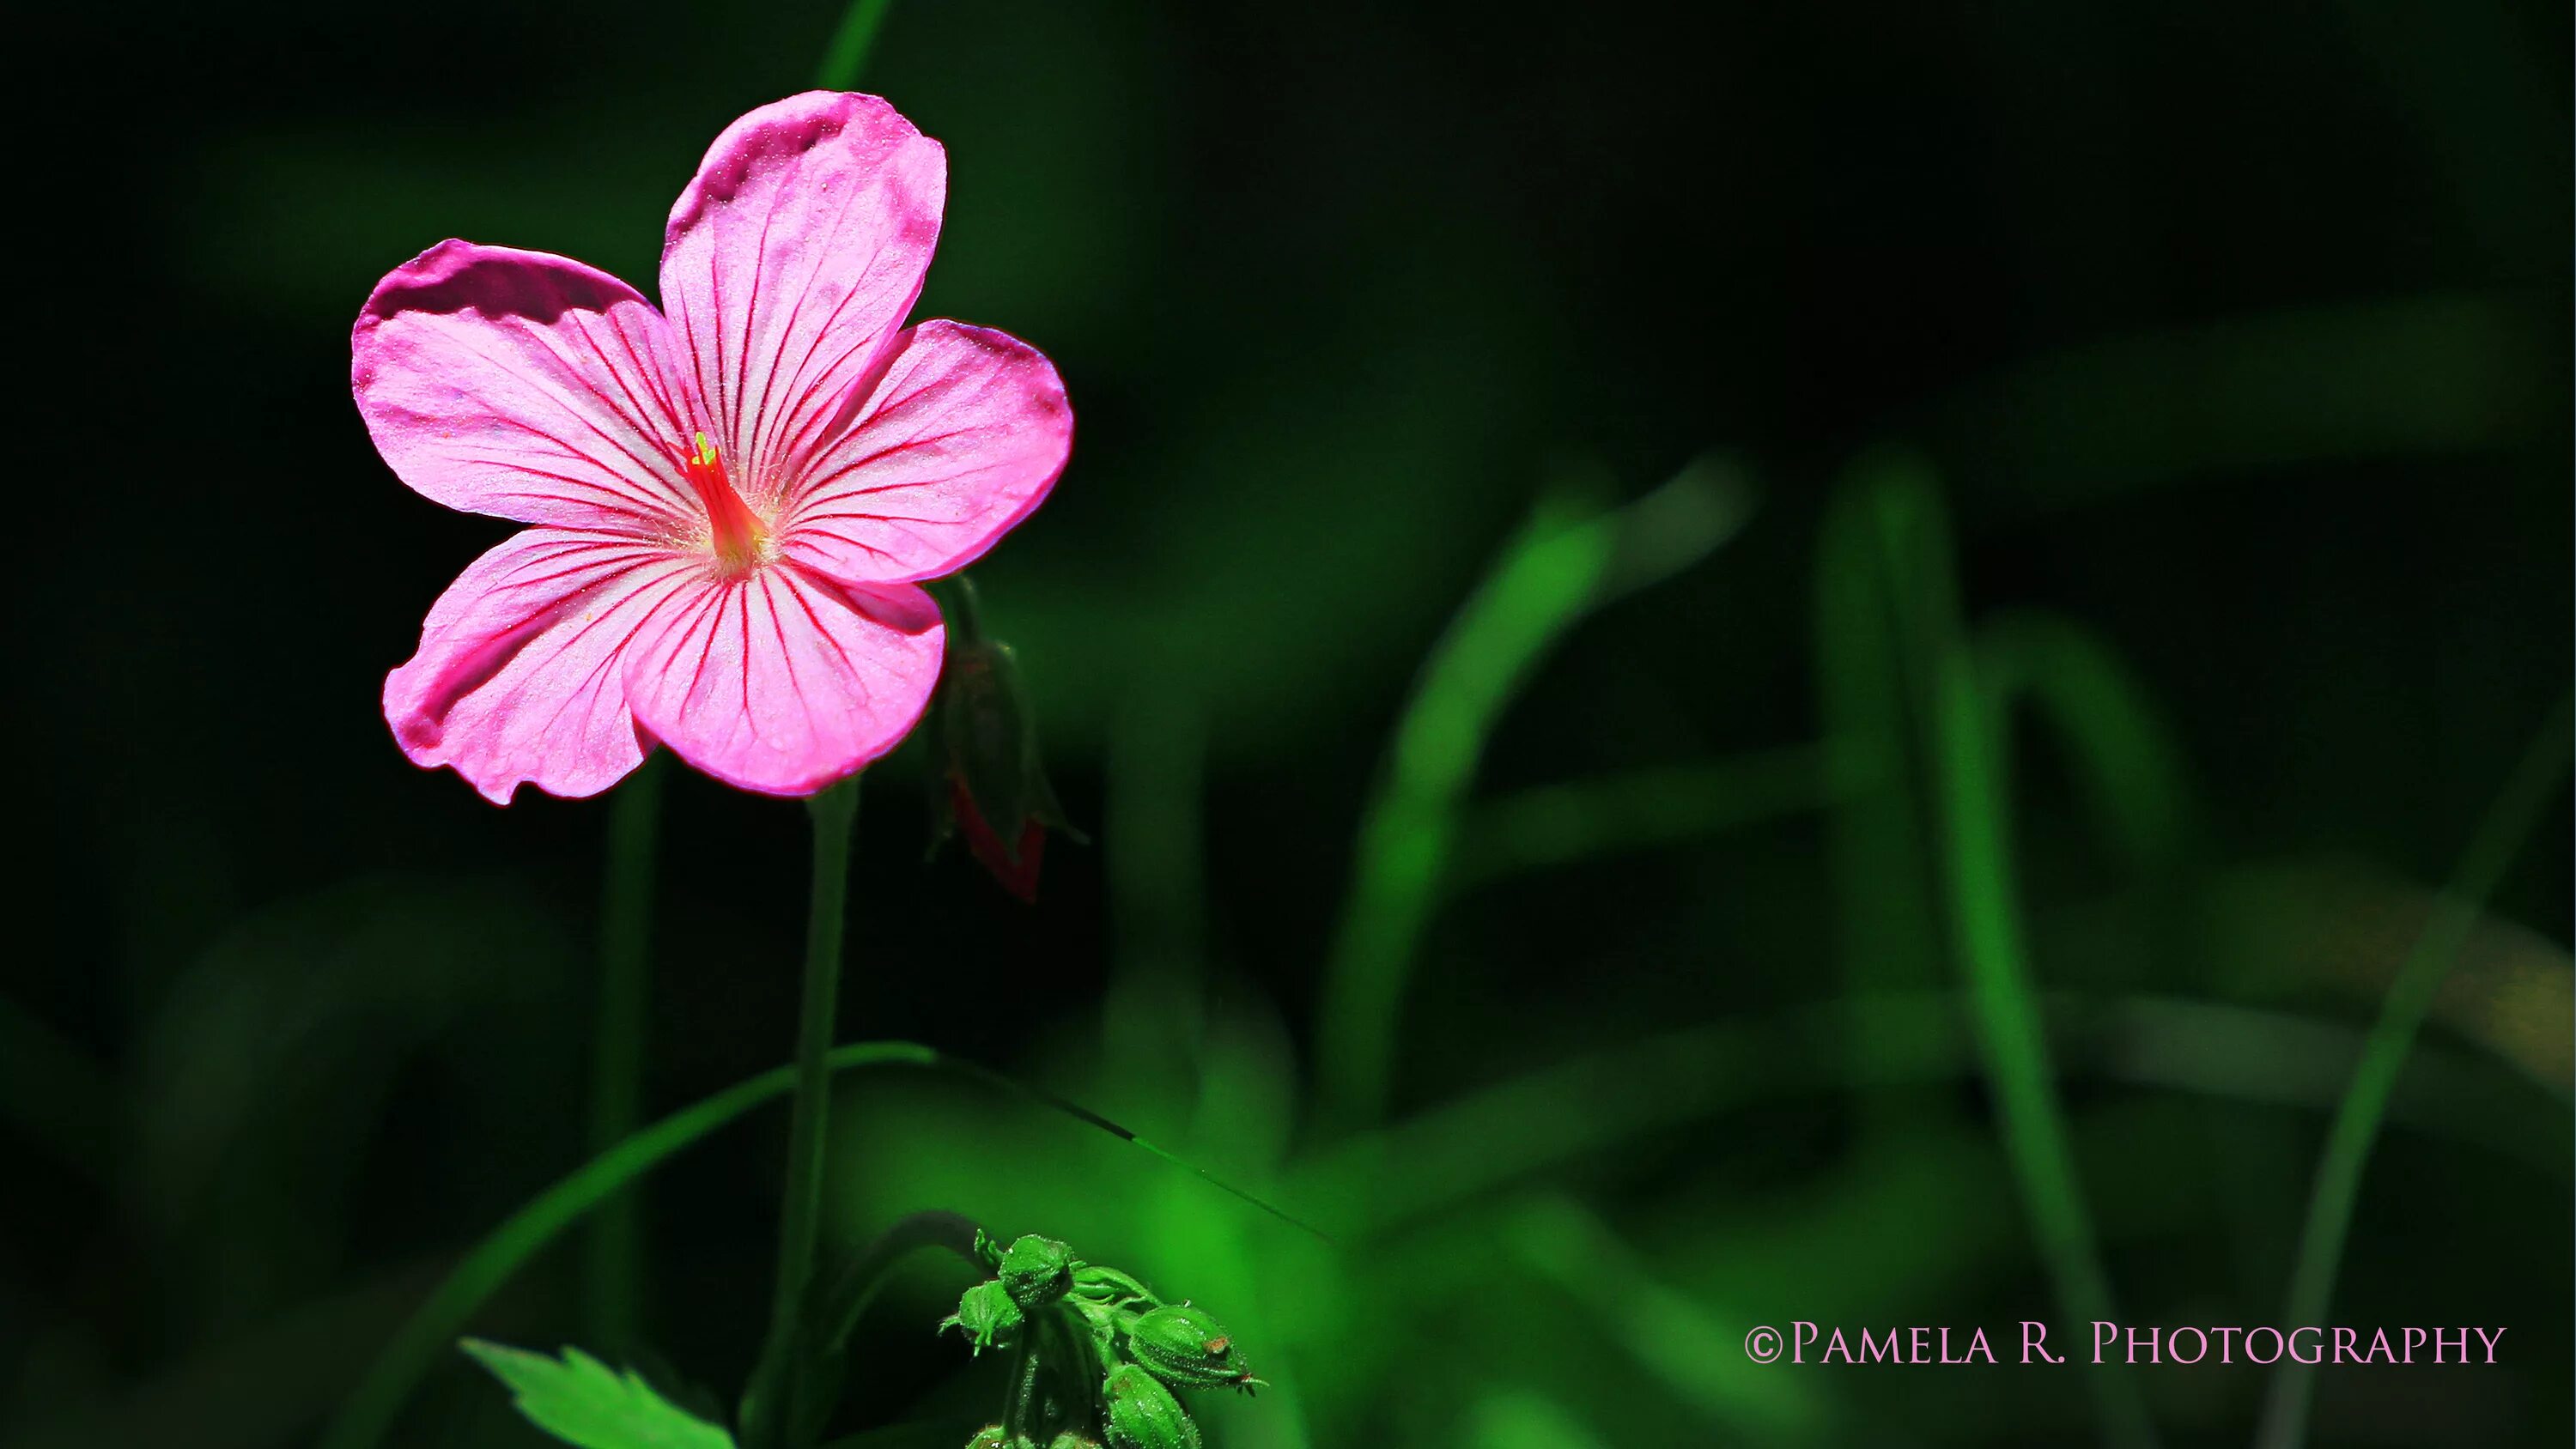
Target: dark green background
pixel 2234 335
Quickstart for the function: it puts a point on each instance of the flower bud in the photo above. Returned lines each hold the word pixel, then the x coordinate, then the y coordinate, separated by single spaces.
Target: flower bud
pixel 987 1316
pixel 1037 1271
pixel 985 755
pixel 1188 1349
pixel 1143 1414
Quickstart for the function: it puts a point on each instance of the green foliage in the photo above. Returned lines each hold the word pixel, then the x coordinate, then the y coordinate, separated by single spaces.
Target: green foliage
pixel 584 1402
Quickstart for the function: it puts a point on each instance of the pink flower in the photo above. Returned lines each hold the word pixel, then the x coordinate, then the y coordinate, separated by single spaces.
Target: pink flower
pixel 733 497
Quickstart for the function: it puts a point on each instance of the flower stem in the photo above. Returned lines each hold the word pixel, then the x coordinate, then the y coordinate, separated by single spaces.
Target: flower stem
pixel 2517 811
pixel 800 1213
pixel 613 1275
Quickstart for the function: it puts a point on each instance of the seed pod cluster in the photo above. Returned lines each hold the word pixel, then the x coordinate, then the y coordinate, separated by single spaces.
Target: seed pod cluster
pixel 1098 1358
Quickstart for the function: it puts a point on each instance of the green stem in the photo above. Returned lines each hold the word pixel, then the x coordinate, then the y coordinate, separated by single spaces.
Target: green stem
pixel 613 1275
pixel 1569 559
pixel 1972 821
pixel 847 55
pixel 800 1213
pixel 2509 822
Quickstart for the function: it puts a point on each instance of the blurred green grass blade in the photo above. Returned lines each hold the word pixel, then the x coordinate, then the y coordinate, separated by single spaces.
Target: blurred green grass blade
pixel 1695 1351
pixel 1555 825
pixel 1972 823
pixel 614 1271
pixel 53 1092
pixel 846 57
pixel 370 1408
pixel 2527 794
pixel 1244 1120
pixel 2124 756
pixel 1154 1019
pixel 1877 848
pixel 1462 1151
pixel 1521 1419
pixel 2439 374
pixel 1567 560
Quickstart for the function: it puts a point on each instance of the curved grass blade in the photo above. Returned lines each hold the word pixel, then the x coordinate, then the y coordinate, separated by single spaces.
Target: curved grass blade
pixel 1566 561
pixel 2149 409
pixel 1972 823
pixel 2127 763
pixel 2535 782
pixel 1554 825
pixel 370 1408
pixel 1479 1144
pixel 1885 926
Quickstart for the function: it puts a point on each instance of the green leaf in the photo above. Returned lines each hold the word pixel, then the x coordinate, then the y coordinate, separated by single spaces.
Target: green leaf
pixel 583 1401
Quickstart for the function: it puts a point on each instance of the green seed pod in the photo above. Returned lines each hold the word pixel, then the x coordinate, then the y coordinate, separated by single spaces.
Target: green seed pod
pixel 991 1436
pixel 1037 1271
pixel 987 1316
pixel 1068 1439
pixel 1188 1349
pixel 1143 1414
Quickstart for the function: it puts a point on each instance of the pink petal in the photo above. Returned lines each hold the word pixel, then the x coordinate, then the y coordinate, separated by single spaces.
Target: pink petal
pixel 528 386
pixel 961 441
pixel 790 261
pixel 782 681
pixel 517 677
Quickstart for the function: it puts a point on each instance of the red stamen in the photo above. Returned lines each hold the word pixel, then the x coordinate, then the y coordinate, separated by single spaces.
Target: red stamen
pixel 736 530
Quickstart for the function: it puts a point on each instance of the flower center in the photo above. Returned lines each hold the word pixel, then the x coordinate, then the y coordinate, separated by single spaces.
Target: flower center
pixel 735 531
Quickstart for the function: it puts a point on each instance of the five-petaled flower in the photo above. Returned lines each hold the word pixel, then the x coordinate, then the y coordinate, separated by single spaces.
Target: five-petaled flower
pixel 733 497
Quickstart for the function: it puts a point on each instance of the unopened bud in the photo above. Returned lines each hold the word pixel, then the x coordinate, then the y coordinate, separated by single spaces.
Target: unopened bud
pixel 1188 1349
pixel 1037 1271
pixel 987 1315
pixel 1143 1414
pixel 989 777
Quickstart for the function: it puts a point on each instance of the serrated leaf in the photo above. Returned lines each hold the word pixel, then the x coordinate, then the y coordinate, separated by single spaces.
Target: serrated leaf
pixel 584 1402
